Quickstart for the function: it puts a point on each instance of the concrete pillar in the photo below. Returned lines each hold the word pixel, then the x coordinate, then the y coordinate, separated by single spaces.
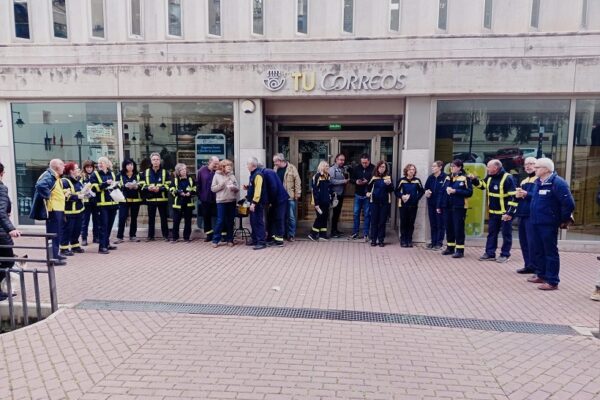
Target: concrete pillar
pixel 419 128
pixel 249 136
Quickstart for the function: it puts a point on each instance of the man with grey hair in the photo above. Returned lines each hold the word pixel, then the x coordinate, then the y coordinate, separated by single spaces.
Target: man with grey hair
pixel 523 195
pixel 552 206
pixel 207 199
pixel 500 188
pixel 156 191
pixel 49 204
pixel 288 174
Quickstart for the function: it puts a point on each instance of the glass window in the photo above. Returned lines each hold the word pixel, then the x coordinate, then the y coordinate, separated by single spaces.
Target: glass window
pixel 443 15
pixel 174 17
pixel 348 16
pixel 136 17
pixel 302 11
pixel 43 131
pixel 59 18
pixel 21 15
pixel 283 146
pixel 181 132
pixel 97 11
pixel 258 17
pixel 477 131
pixel 535 14
pixel 394 15
pixel 585 176
pixel 487 14
pixel 584 14
pixel 214 17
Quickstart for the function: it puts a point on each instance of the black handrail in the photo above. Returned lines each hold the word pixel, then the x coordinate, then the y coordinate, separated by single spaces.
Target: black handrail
pixel 49 261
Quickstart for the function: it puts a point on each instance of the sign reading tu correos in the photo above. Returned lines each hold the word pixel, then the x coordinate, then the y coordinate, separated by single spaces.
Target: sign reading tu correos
pixel 275 80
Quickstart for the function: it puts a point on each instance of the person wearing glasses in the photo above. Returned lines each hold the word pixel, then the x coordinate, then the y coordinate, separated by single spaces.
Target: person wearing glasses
pixel 523 196
pixel 552 205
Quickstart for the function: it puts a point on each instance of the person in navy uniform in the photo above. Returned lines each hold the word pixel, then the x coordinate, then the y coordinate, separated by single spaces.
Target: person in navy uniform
pixel 322 193
pixel 90 210
pixel 156 189
pixel 183 191
pixel 551 209
pixel 433 191
pixel 278 203
pixel 103 181
pixel 130 182
pixel 500 190
pixel 409 191
pixel 258 197
pixel 456 191
pixel 379 192
pixel 523 195
pixel 71 229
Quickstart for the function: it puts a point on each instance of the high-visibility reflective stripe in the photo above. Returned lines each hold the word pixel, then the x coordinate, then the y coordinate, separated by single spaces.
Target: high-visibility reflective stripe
pixel 74 212
pixel 73 209
pixel 209 232
pixel 460 246
pixel 323 229
pixel 315 229
pixel 133 200
pixel 451 244
pixel 277 238
pixel 496 212
pixel 74 245
pixel 103 201
pixel 163 196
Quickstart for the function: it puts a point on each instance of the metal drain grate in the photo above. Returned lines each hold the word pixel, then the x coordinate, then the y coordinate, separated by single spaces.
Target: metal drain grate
pixel 334 315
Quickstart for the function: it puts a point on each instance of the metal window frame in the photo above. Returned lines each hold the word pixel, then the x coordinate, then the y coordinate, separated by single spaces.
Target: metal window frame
pixel 390 9
pixel 490 4
pixel 535 12
pixel 52 33
pixel 168 22
pixel 252 19
pixel 343 4
pixel 447 6
pixel 130 34
pixel 585 8
pixel 91 21
pixel 208 7
pixel 297 14
pixel 12 17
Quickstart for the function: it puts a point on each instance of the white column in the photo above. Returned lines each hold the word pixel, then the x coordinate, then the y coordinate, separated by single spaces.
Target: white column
pixel 249 136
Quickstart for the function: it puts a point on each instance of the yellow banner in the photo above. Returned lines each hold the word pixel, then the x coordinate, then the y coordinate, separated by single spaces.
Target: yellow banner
pixel 474 223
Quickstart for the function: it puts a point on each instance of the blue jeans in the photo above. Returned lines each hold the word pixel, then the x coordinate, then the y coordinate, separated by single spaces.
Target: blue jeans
pixel 361 203
pixel 290 218
pixel 545 248
pixel 225 221
pixel 495 226
pixel 257 223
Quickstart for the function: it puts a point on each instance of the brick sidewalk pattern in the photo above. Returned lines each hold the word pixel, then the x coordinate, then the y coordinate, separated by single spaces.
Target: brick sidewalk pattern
pixel 91 354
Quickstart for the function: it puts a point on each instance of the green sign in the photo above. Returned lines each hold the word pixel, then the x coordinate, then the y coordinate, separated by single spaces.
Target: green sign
pixel 335 127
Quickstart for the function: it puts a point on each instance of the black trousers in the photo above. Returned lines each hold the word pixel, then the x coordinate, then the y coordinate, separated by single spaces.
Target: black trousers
pixel 107 219
pixel 5 239
pixel 408 215
pixel 125 210
pixel 379 215
pixel 209 212
pixel 320 226
pixel 455 228
pixel 163 212
pixel 337 211
pixel 184 213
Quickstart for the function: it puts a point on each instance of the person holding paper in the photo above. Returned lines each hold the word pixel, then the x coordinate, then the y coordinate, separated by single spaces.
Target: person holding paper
pixel 73 188
pixel 131 184
pixel 103 182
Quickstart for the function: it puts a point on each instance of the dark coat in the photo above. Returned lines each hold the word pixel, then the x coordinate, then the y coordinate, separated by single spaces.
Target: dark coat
pixel 43 188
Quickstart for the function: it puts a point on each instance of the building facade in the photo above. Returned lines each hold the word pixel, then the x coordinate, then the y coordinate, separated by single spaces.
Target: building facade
pixel 402 80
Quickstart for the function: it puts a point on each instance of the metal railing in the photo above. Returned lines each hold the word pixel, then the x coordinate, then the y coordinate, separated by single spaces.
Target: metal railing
pixel 49 261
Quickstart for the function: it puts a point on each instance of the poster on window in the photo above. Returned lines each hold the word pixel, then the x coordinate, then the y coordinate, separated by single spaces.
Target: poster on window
pixel 475 220
pixel 209 145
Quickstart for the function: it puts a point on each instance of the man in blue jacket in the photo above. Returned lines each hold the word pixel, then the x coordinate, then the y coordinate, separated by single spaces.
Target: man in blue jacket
pixel 278 199
pixel 258 197
pixel 551 208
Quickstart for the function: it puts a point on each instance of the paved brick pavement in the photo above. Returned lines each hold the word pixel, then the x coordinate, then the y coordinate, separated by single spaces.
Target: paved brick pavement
pixel 90 354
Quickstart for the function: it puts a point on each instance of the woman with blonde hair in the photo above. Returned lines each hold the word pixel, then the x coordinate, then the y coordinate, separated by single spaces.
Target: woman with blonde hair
pixel 322 190
pixel 103 182
pixel 226 188
pixel 409 191
pixel 183 191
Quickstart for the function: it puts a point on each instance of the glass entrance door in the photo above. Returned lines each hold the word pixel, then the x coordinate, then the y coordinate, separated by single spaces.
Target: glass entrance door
pixel 310 153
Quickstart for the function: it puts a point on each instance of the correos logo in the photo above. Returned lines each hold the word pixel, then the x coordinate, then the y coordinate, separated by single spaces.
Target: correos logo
pixel 307 81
